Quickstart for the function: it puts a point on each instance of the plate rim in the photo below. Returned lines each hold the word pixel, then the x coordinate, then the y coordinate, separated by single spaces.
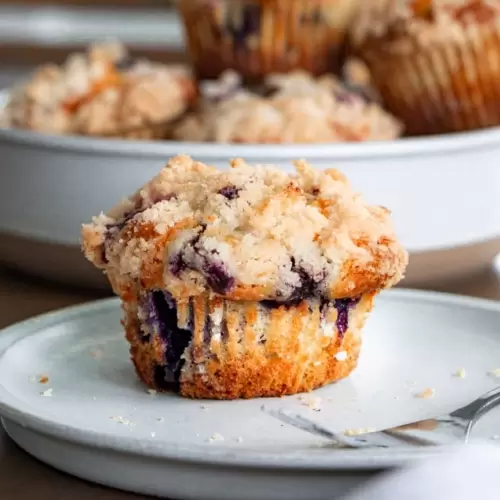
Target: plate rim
pixel 347 460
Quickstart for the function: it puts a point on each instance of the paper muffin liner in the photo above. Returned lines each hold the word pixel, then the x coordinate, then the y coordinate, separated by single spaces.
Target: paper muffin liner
pixel 445 87
pixel 258 37
pixel 210 348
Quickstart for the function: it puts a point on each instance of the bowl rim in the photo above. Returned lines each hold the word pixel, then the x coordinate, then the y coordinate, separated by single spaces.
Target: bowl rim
pixel 354 151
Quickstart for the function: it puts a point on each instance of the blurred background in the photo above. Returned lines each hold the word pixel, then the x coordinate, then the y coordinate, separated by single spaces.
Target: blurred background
pixel 33 32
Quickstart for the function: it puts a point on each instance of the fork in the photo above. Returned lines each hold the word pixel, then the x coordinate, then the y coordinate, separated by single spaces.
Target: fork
pixel 453 426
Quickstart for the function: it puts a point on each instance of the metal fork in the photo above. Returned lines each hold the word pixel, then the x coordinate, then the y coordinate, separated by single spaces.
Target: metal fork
pixel 449 428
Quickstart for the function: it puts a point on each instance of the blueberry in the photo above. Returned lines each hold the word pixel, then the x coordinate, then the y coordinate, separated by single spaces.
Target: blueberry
pixel 345 97
pixel 161 377
pixel 308 287
pixel 176 264
pixel 343 306
pixel 365 92
pixel 248 25
pixel 268 90
pixel 161 315
pixel 230 192
pixel 125 63
pixel 217 277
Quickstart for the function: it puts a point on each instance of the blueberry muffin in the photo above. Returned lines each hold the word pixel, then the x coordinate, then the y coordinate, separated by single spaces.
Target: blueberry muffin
pixel 245 282
pixel 259 37
pixel 436 63
pixel 102 93
pixel 288 108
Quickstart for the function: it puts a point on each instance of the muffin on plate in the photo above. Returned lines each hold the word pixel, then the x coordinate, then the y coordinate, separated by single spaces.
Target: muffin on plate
pixel 258 37
pixel 245 282
pixel 102 93
pixel 436 63
pixel 288 108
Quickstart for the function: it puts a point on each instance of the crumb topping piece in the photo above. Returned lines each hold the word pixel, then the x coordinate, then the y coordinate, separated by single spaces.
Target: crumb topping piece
pixel 247 233
pixel 291 108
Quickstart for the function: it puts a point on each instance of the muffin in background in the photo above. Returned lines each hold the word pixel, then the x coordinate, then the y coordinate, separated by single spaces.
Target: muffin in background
pixel 247 282
pixel 288 108
pixel 103 92
pixel 259 37
pixel 436 63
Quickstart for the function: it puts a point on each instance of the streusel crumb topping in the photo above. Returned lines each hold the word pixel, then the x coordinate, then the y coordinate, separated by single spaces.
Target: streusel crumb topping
pixel 247 233
pixel 291 108
pixel 103 92
pixel 401 24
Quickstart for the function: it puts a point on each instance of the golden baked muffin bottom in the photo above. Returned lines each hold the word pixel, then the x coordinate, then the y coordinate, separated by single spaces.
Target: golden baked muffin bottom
pixel 246 282
pixel 224 350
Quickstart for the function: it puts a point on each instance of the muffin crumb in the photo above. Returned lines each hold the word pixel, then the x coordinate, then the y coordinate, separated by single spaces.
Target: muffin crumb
pixel 123 421
pixel 314 403
pixel 359 432
pixel 426 393
pixel 216 437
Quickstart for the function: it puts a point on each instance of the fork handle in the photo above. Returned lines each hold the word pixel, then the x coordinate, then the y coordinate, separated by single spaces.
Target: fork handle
pixel 483 403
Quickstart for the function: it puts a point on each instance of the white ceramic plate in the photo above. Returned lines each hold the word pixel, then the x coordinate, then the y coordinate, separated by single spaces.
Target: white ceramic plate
pixel 94 419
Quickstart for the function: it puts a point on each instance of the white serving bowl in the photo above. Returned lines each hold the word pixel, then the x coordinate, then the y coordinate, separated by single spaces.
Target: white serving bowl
pixel 443 191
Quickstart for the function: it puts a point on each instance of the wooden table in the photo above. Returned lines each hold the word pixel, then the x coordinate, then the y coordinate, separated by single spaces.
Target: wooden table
pixel 23 478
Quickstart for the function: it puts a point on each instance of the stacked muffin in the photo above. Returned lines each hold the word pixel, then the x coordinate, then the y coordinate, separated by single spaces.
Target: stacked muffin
pixel 244 282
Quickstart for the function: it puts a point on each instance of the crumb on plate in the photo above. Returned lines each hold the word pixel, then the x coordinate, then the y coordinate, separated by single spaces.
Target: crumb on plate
pixel 314 403
pixel 121 420
pixel 426 393
pixel 341 356
pixel 358 432
pixel 216 437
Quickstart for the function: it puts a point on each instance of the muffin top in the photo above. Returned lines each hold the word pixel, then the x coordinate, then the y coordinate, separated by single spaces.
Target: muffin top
pixel 247 233
pixel 291 108
pixel 102 92
pixel 402 24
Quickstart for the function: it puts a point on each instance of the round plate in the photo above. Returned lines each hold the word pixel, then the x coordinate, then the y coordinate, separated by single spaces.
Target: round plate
pixel 70 397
